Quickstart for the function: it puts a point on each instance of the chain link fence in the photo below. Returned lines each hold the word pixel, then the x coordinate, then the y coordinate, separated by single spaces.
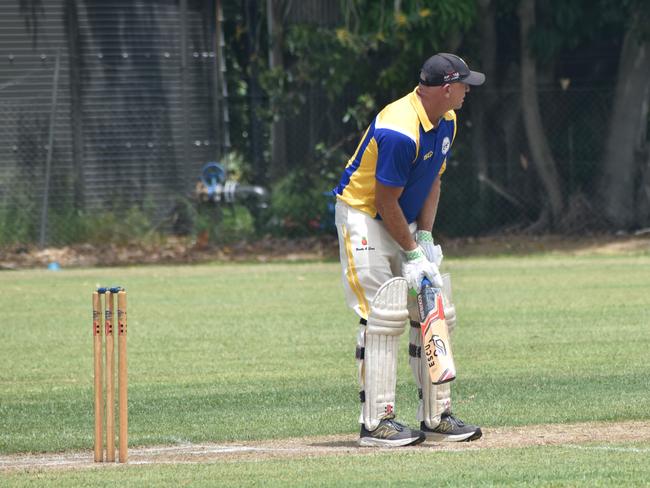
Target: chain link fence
pixel 110 110
pixel 35 152
pixel 107 113
pixel 492 184
pixel 140 166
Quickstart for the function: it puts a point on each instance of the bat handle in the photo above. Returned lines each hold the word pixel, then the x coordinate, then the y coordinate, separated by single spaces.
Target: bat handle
pixel 427 283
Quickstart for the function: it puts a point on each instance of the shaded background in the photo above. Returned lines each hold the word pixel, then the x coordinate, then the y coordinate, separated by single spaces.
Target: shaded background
pixel 109 110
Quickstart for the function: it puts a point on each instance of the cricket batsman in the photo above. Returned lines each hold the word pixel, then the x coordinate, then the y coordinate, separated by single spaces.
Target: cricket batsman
pixel 387 200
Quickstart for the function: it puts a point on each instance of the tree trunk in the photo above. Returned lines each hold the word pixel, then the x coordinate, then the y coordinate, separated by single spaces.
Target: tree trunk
pixel 540 151
pixel 643 207
pixel 76 99
pixel 308 127
pixel 254 91
pixel 481 105
pixel 626 139
pixel 275 10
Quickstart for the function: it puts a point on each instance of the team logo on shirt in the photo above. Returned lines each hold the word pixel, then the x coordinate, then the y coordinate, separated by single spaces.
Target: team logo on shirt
pixel 446 144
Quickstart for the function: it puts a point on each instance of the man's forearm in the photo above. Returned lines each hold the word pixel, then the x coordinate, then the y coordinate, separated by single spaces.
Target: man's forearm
pixel 396 225
pixel 387 204
pixel 427 215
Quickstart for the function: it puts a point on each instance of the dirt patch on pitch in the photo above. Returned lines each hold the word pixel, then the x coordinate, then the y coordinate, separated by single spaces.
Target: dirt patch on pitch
pixel 569 435
pixel 176 250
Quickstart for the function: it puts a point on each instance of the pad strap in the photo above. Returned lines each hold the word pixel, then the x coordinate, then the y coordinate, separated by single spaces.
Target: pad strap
pixel 434 399
pixel 377 343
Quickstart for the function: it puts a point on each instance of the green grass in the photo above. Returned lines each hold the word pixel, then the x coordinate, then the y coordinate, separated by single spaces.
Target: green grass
pixel 241 352
pixel 590 466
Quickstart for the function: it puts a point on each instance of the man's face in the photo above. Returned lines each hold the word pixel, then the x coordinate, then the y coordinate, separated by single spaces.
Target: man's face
pixel 457 93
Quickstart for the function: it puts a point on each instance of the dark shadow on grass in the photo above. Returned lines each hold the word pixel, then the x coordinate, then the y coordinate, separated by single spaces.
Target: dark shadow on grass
pixel 350 444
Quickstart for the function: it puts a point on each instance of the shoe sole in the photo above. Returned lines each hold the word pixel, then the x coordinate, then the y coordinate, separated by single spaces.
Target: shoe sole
pixel 372 442
pixel 467 437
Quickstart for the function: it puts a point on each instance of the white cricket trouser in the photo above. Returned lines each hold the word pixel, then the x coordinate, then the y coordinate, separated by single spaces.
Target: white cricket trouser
pixel 369 256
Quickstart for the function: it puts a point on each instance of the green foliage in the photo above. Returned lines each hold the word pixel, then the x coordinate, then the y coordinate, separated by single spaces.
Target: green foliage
pixel 202 220
pixel 298 205
pixel 372 55
pixel 237 224
pixel 108 227
pixel 362 111
pixel 237 167
pixel 357 67
pixel 70 226
pixel 374 50
pixel 329 70
pixel 224 225
pixel 18 224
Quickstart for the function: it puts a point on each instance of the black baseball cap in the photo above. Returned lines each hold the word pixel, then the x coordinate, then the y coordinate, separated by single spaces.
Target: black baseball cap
pixel 443 68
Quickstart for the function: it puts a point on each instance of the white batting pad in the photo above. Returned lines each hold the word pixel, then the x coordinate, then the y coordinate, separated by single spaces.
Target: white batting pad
pixel 434 399
pixel 378 370
pixel 448 303
pixel 446 288
pixel 450 317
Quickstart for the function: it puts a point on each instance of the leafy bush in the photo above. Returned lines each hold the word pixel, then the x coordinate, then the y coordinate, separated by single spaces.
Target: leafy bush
pixel 17 223
pixel 299 206
pixel 237 224
pixel 224 225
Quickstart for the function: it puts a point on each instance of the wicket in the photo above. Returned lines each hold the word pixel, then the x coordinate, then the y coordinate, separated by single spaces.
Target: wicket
pixel 109 374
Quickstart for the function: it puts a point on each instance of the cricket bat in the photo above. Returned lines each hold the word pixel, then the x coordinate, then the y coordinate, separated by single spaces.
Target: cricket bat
pixel 436 347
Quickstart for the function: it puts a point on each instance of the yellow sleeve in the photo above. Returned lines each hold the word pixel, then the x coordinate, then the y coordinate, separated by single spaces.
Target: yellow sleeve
pixel 455 126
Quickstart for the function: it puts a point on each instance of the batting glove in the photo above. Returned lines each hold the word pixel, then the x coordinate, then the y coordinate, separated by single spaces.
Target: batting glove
pixel 424 239
pixel 416 267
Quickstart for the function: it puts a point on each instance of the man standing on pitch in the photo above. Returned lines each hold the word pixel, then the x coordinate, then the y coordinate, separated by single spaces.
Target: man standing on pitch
pixel 387 200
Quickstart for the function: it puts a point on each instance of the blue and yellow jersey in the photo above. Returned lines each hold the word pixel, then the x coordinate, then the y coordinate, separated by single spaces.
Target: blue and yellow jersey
pixel 400 148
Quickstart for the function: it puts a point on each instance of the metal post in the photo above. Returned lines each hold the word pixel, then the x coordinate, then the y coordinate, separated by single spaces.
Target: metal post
pixel 186 147
pixel 76 100
pixel 222 75
pixel 50 144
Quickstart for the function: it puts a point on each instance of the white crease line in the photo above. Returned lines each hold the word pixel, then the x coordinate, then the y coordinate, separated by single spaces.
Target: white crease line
pixel 45 461
pixel 38 463
pixel 194 449
pixel 198 450
pixel 85 459
pixel 606 448
pixel 140 463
